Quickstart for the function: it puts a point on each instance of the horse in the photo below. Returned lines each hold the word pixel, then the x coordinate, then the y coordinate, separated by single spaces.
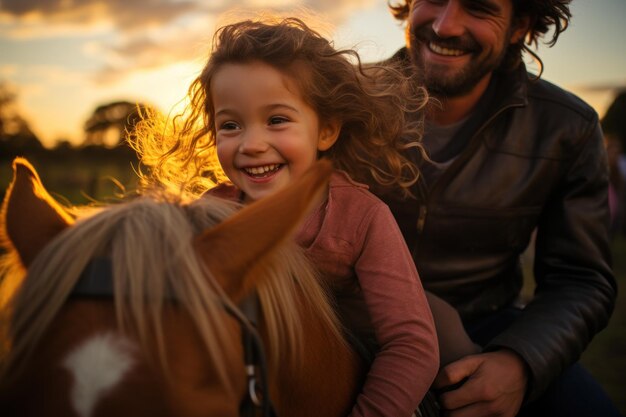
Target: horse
pixel 165 337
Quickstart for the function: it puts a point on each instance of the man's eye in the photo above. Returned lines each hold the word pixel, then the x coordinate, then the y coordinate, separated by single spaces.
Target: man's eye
pixel 483 7
pixel 276 120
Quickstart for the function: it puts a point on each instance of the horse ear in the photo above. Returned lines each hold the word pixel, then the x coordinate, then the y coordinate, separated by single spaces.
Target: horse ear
pixel 238 244
pixel 30 216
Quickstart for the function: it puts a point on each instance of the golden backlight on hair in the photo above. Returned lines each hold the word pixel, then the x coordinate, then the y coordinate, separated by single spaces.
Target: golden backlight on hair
pixel 378 107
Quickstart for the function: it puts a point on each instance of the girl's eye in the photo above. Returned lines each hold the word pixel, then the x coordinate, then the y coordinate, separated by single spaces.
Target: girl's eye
pixel 229 126
pixel 276 120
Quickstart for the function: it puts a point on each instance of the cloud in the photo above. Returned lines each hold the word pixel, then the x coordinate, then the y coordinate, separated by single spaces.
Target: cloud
pixel 128 15
pixel 123 14
pixel 132 15
pixel 188 37
pixel 7 71
pixel 145 34
pixel 35 81
pixel 183 42
pixel 148 49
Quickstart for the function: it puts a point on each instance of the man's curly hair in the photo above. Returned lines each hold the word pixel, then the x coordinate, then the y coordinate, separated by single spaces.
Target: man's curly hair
pixel 544 15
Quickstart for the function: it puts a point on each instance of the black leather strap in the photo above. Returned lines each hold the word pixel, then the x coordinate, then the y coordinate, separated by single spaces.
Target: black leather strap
pixel 95 281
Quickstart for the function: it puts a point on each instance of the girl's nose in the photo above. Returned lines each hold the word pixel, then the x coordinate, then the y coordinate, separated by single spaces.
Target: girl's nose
pixel 253 142
pixel 449 21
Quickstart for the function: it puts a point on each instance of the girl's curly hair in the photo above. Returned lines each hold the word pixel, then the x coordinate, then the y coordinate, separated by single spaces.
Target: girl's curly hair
pixel 543 15
pixel 379 107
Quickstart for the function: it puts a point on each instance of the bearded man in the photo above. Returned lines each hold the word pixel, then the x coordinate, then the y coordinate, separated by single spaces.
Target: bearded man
pixel 513 157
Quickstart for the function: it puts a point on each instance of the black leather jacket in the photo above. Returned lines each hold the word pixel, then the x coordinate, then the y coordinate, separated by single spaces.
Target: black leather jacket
pixel 535 161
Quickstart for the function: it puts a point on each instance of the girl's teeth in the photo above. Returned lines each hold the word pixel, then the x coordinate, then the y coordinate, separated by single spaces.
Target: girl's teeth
pixel 261 169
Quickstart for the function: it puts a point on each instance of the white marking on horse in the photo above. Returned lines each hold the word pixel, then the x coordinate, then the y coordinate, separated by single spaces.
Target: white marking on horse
pixel 97 366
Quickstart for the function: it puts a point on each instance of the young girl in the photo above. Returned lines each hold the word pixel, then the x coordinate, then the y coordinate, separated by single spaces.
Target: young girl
pixel 272 99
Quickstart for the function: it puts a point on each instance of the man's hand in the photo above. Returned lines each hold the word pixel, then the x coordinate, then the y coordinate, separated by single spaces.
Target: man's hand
pixel 495 386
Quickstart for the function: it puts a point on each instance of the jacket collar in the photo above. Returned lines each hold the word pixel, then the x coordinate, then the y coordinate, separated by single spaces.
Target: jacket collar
pixel 511 88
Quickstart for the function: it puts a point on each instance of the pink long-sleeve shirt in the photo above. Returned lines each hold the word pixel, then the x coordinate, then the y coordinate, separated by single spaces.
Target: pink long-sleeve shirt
pixel 355 242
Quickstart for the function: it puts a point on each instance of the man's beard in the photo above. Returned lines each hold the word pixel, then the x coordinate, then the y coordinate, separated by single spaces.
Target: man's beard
pixel 462 81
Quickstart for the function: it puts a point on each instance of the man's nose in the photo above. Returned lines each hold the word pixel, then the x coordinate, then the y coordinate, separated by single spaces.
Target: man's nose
pixel 449 21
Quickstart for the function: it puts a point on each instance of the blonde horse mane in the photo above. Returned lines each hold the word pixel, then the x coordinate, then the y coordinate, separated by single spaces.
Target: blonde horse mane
pixel 150 243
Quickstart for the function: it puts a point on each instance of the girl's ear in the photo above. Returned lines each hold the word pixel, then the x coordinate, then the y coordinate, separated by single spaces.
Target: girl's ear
pixel 328 135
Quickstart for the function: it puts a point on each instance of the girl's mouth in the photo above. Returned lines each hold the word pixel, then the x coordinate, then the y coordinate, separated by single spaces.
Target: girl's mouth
pixel 262 170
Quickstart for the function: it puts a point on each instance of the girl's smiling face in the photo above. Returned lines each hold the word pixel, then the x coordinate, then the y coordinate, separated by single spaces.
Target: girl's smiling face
pixel 266 134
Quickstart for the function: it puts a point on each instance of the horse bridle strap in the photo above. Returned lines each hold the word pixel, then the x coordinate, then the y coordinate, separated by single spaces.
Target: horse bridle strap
pixel 96 281
pixel 257 397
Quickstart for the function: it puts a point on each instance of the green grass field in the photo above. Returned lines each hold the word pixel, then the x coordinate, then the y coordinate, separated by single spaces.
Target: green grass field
pixel 606 355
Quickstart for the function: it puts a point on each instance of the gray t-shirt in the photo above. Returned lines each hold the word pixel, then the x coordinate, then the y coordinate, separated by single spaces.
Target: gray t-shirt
pixel 436 141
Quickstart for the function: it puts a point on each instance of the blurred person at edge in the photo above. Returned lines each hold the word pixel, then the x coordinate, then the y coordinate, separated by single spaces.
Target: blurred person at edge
pixel 510 154
pixel 615 154
pixel 614 127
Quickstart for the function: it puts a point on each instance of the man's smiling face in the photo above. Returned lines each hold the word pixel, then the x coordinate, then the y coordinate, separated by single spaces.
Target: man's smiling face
pixel 457 43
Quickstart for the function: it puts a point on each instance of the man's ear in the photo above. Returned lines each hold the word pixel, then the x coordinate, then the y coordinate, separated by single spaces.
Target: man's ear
pixel 521 25
pixel 328 135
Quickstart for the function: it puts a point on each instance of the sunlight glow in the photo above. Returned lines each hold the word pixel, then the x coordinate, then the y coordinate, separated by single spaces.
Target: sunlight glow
pixel 66 58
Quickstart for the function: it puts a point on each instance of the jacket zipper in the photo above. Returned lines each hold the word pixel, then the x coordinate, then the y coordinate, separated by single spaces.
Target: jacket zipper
pixel 423 210
pixel 465 155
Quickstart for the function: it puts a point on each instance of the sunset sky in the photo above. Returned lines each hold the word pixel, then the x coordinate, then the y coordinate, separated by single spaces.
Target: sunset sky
pixel 65 57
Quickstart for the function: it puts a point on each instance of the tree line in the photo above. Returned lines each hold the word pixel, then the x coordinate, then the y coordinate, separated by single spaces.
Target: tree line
pixel 96 168
pixel 104 131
